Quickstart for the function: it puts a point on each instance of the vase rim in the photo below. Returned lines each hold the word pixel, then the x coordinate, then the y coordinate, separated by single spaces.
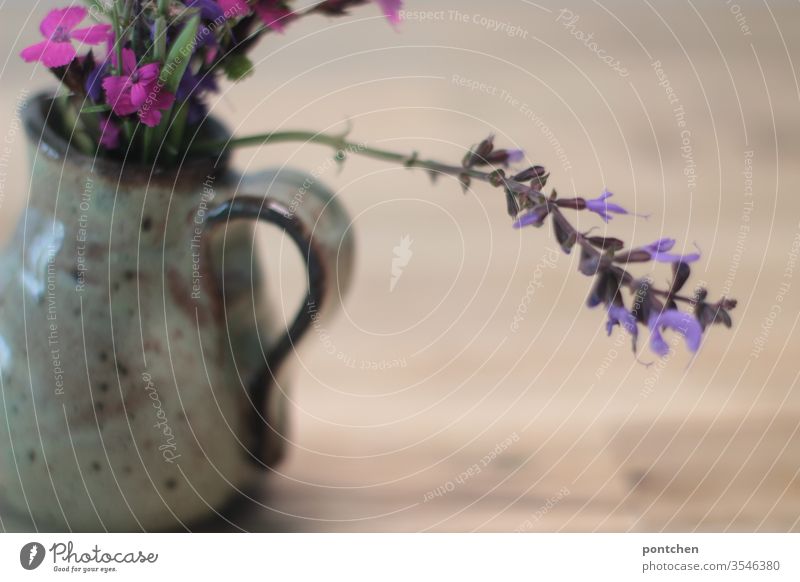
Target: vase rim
pixel 48 140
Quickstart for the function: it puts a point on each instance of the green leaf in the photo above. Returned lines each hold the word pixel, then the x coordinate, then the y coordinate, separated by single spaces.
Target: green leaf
pixel 95 109
pixel 176 131
pixel 160 38
pixel 237 67
pixel 179 55
pixel 173 69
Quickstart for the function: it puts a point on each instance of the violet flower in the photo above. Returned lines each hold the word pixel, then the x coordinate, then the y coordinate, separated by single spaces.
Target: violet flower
pixel 684 323
pixel 94 82
pixel 605 209
pixel 659 251
pixel 619 315
pixel 58 28
pixel 191 90
pixel 137 90
pixel 534 217
pixel 209 9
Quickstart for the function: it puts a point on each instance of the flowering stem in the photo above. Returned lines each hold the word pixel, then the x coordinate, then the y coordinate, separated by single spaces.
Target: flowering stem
pixel 495 178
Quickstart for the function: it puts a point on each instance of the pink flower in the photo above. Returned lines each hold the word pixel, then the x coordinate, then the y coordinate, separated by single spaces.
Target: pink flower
pixel 58 27
pixel 391 8
pixel 137 90
pixel 109 134
pixel 273 14
pixel 234 8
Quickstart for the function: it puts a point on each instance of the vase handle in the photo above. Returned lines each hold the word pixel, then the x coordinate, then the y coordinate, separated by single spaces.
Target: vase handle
pixel 320 228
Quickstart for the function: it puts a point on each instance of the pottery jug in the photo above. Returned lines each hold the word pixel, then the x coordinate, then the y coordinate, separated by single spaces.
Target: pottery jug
pixel 139 359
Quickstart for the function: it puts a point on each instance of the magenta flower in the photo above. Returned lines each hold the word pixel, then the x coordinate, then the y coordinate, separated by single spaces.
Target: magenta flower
pixel 234 8
pixel 659 251
pixel 109 134
pixel 684 323
pixel 604 209
pixel 58 27
pixel 137 90
pixel 273 14
pixel 391 8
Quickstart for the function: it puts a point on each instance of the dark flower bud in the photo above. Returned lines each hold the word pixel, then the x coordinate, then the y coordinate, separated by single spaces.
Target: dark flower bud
pixel 76 74
pixel 644 302
pixel 708 314
pixel 680 274
pixel 605 289
pixel 337 7
pixel 633 256
pixel 536 174
pixel 565 234
pixel 589 261
pixel 605 243
pixel 576 203
pixel 503 157
pixel 478 155
pixel 465 182
pixel 512 206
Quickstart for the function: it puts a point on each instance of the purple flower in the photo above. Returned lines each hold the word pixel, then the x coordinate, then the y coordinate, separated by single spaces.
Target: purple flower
pixel 59 30
pixel 535 216
pixel 94 81
pixel 209 9
pixel 618 315
pixel 604 209
pixel 659 251
pixel 684 323
pixel 191 89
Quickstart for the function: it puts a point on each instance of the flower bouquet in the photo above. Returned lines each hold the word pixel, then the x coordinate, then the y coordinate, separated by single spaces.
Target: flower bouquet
pixel 139 92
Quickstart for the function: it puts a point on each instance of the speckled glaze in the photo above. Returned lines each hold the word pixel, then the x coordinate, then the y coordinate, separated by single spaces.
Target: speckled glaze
pixel 130 354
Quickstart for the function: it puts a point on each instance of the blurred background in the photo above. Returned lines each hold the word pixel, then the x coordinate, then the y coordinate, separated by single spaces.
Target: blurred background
pixel 475 391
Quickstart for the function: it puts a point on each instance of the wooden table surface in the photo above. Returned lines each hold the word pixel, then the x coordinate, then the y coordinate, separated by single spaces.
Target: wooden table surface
pixel 548 425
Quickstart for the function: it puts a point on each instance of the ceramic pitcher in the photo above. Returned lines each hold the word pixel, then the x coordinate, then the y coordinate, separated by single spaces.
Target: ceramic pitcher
pixel 139 358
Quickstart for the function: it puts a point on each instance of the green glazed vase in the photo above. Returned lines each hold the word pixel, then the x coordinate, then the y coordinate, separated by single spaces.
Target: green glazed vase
pixel 139 358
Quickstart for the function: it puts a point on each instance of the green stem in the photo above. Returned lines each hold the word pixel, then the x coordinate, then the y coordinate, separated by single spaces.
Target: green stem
pixel 78 135
pixel 127 129
pixel 118 40
pixel 339 143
